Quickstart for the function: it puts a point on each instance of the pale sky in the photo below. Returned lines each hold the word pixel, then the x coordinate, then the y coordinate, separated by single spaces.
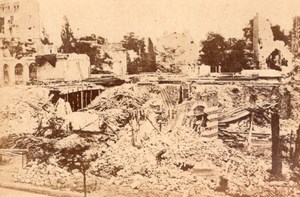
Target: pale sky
pixel 114 18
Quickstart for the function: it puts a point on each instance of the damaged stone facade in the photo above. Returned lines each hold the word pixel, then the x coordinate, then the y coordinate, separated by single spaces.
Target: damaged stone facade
pixel 14 71
pixel 20 19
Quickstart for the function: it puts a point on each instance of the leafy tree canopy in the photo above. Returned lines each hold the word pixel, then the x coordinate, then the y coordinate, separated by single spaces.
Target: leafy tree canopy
pixel 90 45
pixel 145 60
pixel 67 37
pixel 213 50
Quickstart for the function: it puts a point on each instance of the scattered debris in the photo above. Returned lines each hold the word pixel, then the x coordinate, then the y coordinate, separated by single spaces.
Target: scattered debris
pixel 168 153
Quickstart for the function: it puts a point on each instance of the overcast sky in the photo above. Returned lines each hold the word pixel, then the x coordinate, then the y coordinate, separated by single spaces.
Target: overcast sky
pixel 114 18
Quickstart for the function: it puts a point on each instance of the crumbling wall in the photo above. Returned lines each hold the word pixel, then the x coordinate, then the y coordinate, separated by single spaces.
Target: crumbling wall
pixel 264 45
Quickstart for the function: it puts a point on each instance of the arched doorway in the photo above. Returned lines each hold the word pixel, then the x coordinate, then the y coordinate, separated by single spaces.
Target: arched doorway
pixel 32 72
pixel 6 74
pixel 19 73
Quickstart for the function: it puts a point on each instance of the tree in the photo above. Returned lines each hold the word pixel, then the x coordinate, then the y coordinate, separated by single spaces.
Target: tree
pixel 74 152
pixel 249 52
pixel 67 37
pixel 133 65
pixel 145 60
pixel 248 34
pixel 213 50
pixel 235 58
pixel 91 45
pixel 132 42
pixel 279 34
pixel 148 59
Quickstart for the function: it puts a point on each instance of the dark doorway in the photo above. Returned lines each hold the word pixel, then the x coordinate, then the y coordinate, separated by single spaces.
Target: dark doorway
pixel 19 74
pixel 32 72
pixel 6 74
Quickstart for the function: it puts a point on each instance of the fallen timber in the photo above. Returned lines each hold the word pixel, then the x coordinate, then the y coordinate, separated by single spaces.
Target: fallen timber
pixel 237 115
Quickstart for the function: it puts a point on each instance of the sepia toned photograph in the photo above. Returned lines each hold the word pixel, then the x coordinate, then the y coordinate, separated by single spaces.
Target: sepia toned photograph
pixel 149 98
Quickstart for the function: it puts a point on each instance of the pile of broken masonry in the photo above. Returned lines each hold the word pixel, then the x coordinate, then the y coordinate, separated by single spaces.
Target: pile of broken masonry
pixel 177 160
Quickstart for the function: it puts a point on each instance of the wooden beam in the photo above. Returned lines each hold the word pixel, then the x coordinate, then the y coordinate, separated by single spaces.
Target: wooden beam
pixel 297 148
pixel 250 132
pixel 81 98
pixel 276 146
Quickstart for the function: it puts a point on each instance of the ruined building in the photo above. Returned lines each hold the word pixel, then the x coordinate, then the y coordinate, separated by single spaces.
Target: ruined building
pixel 296 36
pixel 269 54
pixel 20 20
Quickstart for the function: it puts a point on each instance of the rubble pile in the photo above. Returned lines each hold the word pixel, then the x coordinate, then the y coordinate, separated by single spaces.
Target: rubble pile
pixel 173 160
pixel 20 108
pixel 10 141
pixel 167 161
pixel 234 97
pixel 119 97
pixel 230 97
pixel 187 161
pixel 55 177
pixel 58 163
pixel 110 111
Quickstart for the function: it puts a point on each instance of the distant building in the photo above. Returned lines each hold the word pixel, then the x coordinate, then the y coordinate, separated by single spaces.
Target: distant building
pixel 118 56
pixel 296 36
pixel 20 19
pixel 62 67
